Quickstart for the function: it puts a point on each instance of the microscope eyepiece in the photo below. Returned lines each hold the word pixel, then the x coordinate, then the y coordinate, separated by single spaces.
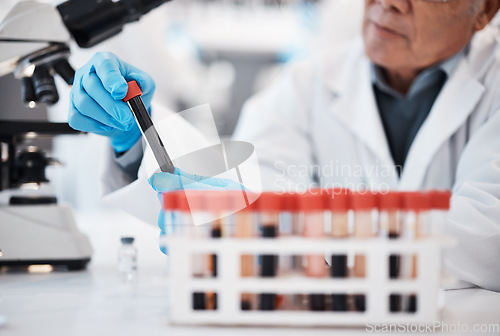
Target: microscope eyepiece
pixel 44 85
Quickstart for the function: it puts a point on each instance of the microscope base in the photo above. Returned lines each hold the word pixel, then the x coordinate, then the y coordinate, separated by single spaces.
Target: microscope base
pixel 42 234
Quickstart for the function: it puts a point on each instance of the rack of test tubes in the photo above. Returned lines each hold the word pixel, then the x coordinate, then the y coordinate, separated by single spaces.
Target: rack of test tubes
pixel 320 258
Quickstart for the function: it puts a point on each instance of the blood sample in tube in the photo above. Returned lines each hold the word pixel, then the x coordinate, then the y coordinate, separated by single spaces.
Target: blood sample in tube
pixel 363 204
pixel 245 228
pixel 389 206
pixel 312 207
pixel 339 206
pixel 417 205
pixel 269 205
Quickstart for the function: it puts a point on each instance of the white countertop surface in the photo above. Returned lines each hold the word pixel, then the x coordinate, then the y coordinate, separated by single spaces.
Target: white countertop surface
pixel 97 302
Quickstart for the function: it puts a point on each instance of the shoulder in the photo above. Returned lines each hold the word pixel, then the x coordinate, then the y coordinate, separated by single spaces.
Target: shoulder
pixel 484 63
pixel 484 54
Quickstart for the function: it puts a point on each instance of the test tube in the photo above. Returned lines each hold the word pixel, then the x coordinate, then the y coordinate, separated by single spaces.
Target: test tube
pixel 312 206
pixel 190 204
pixel 141 115
pixel 171 209
pixel 292 207
pixel 170 218
pixel 440 202
pixel 269 207
pixel 217 203
pixel 289 222
pixel 339 207
pixel 390 227
pixel 292 265
pixel 416 206
pixel 365 227
pixel 245 228
pixel 286 223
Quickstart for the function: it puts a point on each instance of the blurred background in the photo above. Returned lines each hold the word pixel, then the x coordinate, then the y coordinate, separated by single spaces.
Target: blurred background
pixel 198 51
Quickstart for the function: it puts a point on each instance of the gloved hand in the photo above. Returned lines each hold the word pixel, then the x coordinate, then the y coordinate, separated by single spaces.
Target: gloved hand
pixel 96 99
pixel 165 182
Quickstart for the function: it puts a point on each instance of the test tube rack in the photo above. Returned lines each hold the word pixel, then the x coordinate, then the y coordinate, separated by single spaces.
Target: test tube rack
pixel 229 284
pixel 377 286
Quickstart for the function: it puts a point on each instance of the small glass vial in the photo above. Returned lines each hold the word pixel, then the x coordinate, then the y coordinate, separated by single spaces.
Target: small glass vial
pixel 127 260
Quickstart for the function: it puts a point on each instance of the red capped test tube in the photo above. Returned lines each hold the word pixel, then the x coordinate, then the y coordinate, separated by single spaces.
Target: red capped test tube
pixel 217 203
pixel 338 204
pixel 170 217
pixel 269 206
pixel 189 206
pixel 390 227
pixel 440 203
pixel 363 204
pixel 290 225
pixel 312 205
pixel 143 119
pixel 245 228
pixel 416 206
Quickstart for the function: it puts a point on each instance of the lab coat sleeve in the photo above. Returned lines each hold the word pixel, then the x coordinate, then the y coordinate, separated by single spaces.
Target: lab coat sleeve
pixel 119 172
pixel 113 177
pixel 276 121
pixel 474 218
pixel 130 161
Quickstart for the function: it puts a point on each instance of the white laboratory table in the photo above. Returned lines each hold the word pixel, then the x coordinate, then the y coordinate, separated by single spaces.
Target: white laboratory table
pixel 97 302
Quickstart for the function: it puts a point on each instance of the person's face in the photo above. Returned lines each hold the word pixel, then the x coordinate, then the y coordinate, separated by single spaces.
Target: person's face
pixel 414 34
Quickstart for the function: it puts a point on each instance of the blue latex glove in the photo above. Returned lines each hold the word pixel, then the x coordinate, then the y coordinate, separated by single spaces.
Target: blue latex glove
pixel 96 99
pixel 164 182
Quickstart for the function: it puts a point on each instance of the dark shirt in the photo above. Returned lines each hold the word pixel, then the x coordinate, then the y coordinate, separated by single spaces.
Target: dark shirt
pixel 403 115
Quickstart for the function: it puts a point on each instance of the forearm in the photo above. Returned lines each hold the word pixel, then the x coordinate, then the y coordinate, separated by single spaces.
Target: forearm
pixel 474 218
pixel 474 223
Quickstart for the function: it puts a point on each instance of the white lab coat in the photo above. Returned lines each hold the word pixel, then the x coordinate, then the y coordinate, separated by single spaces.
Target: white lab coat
pixel 323 114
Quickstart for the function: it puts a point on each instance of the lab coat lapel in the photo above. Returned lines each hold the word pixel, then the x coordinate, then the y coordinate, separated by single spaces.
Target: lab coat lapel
pixel 452 108
pixel 356 107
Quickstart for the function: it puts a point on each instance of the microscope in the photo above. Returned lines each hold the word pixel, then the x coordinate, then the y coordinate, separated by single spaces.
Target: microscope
pixel 34 46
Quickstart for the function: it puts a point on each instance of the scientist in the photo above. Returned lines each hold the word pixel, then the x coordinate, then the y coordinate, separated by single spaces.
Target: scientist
pixel 413 105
